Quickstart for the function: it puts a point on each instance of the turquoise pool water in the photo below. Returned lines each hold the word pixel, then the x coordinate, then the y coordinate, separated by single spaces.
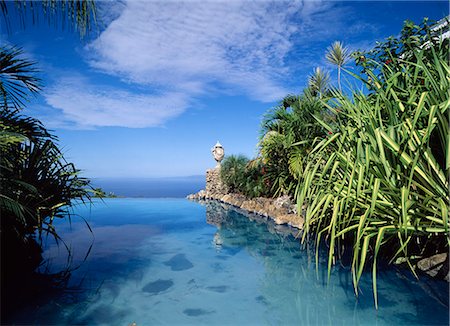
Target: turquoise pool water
pixel 176 262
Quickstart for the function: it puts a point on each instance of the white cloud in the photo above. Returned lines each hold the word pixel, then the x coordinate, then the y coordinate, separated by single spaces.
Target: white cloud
pixel 184 50
pixel 195 46
pixel 90 106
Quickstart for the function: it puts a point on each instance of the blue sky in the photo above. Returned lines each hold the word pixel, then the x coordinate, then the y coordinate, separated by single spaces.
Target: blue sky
pixel 150 92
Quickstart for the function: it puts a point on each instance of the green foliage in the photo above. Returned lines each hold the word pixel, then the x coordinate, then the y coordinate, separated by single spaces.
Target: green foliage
pixel 232 172
pixel 338 55
pixel 289 132
pixel 319 82
pixel 100 193
pixel 37 184
pixel 76 14
pixel 17 78
pixel 380 181
pixel 274 148
pixel 412 40
pixel 37 187
pixel 257 184
pixel 370 169
pixel 243 176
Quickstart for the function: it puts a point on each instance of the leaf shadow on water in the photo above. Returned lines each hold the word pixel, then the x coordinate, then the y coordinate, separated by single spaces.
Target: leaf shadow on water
pixel 103 314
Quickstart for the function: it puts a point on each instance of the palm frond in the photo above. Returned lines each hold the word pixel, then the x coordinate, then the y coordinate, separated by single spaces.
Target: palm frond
pixel 338 54
pixel 80 15
pixel 319 81
pixel 18 78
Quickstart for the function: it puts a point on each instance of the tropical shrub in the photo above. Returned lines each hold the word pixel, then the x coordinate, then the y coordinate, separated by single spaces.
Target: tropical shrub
pixel 289 132
pixel 274 149
pixel 338 55
pixel 256 182
pixel 37 184
pixel 232 172
pixel 319 83
pixel 379 181
pixel 243 176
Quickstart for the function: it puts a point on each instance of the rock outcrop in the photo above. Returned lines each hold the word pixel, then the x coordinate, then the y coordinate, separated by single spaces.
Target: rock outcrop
pixel 436 266
pixel 281 210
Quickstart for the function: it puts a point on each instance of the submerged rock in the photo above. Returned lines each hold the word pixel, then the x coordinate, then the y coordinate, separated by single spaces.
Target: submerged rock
pixel 436 266
pixel 179 263
pixel 218 289
pixel 158 286
pixel 197 312
pixel 262 299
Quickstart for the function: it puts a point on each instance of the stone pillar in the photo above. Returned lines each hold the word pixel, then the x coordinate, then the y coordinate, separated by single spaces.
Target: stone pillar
pixel 215 188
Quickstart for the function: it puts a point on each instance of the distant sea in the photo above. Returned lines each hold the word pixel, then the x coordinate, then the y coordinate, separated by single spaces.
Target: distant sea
pixel 170 187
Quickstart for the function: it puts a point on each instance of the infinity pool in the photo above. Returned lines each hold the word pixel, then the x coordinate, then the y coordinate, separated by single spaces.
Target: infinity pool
pixel 176 262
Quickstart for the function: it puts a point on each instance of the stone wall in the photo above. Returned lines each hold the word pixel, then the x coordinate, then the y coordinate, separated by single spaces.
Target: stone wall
pixel 281 210
pixel 214 185
pixel 218 214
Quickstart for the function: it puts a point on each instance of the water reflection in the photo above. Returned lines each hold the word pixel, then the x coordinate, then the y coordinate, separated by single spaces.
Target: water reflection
pixel 293 290
pixel 232 270
pixel 220 214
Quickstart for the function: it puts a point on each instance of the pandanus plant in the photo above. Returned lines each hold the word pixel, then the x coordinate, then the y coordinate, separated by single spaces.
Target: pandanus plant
pixel 380 179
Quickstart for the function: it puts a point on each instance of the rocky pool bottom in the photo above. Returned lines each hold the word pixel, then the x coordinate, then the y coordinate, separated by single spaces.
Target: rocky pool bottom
pixel 176 262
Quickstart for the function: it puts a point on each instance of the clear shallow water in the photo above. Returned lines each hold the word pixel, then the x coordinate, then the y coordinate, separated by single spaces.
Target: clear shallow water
pixel 175 262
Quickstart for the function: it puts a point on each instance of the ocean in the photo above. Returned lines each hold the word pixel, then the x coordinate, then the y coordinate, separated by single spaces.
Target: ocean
pixel 169 187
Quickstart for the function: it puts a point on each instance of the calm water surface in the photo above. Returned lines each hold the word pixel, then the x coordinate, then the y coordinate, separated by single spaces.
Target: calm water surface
pixel 175 262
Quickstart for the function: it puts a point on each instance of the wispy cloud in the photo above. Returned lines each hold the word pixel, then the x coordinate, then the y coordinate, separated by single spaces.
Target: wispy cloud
pixel 184 50
pixel 84 105
pixel 198 46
